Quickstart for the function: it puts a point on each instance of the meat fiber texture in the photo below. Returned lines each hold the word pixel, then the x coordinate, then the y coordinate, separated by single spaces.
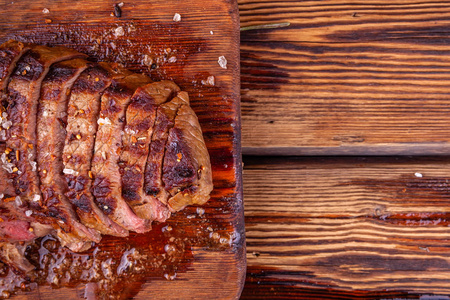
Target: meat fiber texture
pixel 88 149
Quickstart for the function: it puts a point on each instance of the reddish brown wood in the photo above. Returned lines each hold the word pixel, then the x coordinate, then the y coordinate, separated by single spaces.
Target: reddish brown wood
pixel 258 287
pixel 347 228
pixel 146 39
pixel 346 77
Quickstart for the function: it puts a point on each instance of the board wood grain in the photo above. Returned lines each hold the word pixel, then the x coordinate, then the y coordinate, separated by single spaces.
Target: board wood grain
pixel 347 228
pixel 353 78
pixel 145 38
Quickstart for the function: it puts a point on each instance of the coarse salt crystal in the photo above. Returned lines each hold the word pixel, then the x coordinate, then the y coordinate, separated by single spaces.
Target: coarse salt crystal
pixel 119 31
pixel 210 81
pixel 45 113
pixel 45 11
pixel 131 28
pixel 129 131
pixel 36 198
pixel 18 201
pixel 5 164
pixel 172 59
pixel 200 211
pixel 211 32
pixel 104 121
pixel 7 124
pixel 147 60
pixel 70 172
pixel 28 213
pixel 177 17
pixel 417 174
pixel 222 62
pixel 8 168
pixel 33 166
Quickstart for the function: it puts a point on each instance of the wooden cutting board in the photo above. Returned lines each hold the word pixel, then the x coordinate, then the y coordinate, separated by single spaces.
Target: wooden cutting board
pixel 200 252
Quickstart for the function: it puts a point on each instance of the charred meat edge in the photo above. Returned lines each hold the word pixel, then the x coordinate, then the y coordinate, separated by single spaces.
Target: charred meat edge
pixel 187 175
pixel 106 185
pixel 10 53
pixel 83 111
pixel 51 135
pixel 140 118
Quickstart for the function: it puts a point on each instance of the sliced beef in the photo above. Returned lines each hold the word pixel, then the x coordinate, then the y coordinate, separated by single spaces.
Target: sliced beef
pixel 51 134
pixel 15 228
pixel 16 225
pixel 22 100
pixel 108 142
pixel 83 111
pixel 140 118
pixel 13 254
pixel 16 231
pixel 165 120
pixel 187 169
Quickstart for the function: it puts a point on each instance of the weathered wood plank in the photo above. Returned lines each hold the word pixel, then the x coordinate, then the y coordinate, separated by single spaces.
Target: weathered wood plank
pixel 360 77
pixel 352 225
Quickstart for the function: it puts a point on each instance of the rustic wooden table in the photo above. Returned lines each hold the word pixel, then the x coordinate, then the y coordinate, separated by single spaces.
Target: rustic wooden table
pixel 346 145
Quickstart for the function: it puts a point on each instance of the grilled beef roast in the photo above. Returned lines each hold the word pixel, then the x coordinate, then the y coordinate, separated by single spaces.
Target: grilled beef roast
pixel 91 149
